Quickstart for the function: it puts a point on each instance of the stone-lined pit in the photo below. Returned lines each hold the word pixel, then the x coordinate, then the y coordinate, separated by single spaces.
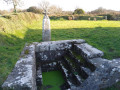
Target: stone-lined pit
pixel 81 65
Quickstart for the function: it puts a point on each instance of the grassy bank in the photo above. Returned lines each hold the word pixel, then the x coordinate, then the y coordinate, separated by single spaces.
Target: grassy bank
pixel 14 33
pixel 13 36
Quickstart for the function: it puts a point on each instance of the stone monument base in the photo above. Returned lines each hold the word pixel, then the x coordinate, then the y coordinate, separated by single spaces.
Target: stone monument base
pixel 81 64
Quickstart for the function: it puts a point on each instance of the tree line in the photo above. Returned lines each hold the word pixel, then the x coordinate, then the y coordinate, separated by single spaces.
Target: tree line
pixel 55 10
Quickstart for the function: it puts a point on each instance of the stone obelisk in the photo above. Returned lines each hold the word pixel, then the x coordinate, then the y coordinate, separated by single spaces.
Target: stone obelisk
pixel 46 31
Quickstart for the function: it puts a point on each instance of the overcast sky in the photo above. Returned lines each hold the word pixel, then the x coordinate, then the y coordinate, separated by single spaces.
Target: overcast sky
pixel 70 5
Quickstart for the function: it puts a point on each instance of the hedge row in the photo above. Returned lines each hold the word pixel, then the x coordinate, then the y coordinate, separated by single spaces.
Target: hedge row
pixel 77 17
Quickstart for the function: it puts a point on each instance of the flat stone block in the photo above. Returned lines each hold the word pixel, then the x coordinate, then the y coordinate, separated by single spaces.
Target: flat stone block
pixel 57 45
pixel 88 51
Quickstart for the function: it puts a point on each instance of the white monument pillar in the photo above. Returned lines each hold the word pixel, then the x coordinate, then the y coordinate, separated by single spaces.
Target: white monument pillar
pixel 46 31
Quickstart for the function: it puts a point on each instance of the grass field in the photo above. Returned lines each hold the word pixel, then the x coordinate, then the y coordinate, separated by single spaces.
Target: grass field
pixel 104 35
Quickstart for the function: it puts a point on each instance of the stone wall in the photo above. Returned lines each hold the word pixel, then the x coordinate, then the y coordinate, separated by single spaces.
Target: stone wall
pixel 53 49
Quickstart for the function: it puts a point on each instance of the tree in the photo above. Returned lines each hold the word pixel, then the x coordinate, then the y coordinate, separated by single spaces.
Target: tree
pixel 55 10
pixel 78 11
pixel 2 12
pixel 44 5
pixel 100 10
pixel 34 9
pixel 14 2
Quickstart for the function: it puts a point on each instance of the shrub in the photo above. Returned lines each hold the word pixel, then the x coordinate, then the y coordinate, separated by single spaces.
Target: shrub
pixel 61 19
pixel 77 17
pixel 111 17
pixel 78 11
pixel 58 17
pixel 34 9
pixel 7 16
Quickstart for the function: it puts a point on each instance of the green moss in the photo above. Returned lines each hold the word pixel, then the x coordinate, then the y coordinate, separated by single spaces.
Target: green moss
pixel 52 80
pixel 26 51
pixel 71 61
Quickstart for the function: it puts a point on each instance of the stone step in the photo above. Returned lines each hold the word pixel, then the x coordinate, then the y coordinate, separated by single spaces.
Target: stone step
pixel 87 70
pixel 67 75
pixel 99 62
pixel 87 51
pixel 74 58
pixel 72 68
pixel 80 61
pixel 39 76
pixel 79 79
pixel 75 67
pixel 69 63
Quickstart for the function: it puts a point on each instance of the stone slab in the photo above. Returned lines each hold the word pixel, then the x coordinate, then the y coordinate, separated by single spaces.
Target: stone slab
pixel 50 55
pixel 57 45
pixel 88 51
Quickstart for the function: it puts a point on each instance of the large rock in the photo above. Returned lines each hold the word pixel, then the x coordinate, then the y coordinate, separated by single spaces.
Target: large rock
pixel 23 76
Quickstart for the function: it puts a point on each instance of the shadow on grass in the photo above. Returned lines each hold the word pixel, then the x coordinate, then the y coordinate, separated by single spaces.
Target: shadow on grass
pixel 106 39
pixel 10 49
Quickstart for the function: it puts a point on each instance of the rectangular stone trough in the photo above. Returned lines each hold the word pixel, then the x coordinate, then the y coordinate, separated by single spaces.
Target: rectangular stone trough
pixel 23 76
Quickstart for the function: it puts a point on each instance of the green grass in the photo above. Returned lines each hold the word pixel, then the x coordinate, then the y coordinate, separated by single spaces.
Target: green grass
pixel 104 35
pixel 54 79
pixel 13 39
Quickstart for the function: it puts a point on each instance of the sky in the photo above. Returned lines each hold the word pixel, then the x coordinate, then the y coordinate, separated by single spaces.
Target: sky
pixel 69 5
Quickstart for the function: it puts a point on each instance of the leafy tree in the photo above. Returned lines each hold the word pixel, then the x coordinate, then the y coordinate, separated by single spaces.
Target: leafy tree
pixel 34 9
pixel 14 2
pixel 111 17
pixel 78 11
